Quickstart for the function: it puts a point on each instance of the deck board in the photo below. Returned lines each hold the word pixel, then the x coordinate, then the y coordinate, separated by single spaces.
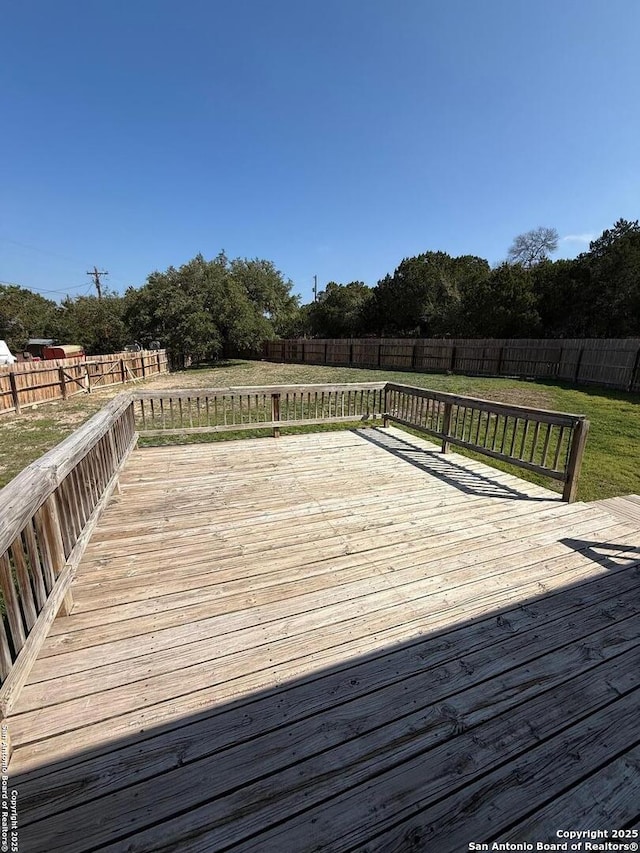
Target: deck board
pixel 330 642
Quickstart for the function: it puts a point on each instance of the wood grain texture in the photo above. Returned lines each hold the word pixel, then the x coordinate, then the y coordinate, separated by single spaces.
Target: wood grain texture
pixel 331 642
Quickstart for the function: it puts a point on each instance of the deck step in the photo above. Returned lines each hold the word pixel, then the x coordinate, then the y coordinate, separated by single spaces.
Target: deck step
pixel 626 508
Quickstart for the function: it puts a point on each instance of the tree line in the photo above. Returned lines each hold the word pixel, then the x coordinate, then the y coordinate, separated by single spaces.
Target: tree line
pixel 434 294
pixel 210 308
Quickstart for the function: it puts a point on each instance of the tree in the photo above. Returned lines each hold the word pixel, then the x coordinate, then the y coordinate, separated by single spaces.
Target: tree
pixel 269 291
pixel 425 293
pixel 97 324
pixel 613 267
pixel 24 315
pixel 503 305
pixel 533 247
pixel 339 309
pixel 207 308
pixel 562 290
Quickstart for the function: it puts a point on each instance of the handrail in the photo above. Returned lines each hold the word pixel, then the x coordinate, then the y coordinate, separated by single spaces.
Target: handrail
pixel 47 514
pixel 543 415
pixel 539 440
pixel 203 410
pixel 144 394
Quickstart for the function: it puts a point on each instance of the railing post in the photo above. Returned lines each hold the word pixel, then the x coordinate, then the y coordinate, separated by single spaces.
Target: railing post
pixel 15 394
pixel 446 426
pixel 385 413
pixel 576 452
pixel 275 413
pixel 63 382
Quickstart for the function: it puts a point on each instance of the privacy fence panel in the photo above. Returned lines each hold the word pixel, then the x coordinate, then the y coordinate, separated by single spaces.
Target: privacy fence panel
pixel 614 363
pixel 28 383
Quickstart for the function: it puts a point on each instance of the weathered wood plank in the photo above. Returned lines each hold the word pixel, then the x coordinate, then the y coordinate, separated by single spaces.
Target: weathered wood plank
pixel 378 797
pixel 605 801
pixel 386 690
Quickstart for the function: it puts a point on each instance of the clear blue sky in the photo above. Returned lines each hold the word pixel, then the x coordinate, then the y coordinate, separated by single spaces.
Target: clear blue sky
pixel 332 137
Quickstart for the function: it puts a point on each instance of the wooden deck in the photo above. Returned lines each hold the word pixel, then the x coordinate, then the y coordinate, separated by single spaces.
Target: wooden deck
pixel 335 642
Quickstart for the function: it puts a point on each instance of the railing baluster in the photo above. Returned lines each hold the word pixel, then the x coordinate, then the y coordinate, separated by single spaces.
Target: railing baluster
pixel 545 449
pixel 534 441
pixel 12 606
pixel 558 449
pixel 24 583
pixel 524 439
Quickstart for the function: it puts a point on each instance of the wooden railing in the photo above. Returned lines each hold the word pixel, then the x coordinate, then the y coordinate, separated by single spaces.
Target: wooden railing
pixel 548 443
pixel 47 514
pixel 242 408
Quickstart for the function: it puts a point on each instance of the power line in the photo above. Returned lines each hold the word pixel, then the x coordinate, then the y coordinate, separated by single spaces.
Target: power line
pixel 42 290
pixel 37 249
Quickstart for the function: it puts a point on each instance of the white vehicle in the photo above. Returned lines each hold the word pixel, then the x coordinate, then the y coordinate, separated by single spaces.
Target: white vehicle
pixel 6 356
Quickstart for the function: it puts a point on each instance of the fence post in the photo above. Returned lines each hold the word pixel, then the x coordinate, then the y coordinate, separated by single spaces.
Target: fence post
pixel 578 363
pixel 350 355
pixel 302 348
pixel 379 354
pixel 446 426
pixel 158 360
pixel 275 413
pixel 635 372
pixel 453 359
pixel 144 370
pixel 500 360
pixel 576 452
pixel 63 382
pixel 88 377
pixel 325 352
pixel 123 372
pixel 15 394
pixel 413 357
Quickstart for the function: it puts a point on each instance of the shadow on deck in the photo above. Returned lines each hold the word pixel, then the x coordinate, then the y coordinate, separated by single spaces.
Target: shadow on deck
pixel 401 669
pixel 443 467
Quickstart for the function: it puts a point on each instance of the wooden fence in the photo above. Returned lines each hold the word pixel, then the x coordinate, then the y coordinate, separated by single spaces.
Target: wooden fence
pixel 29 383
pixel 614 363
pixel 47 515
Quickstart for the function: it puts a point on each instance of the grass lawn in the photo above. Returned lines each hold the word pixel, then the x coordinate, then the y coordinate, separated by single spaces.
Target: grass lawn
pixel 611 465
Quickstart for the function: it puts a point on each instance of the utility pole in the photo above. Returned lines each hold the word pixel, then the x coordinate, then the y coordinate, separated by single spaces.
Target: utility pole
pixel 95 275
pixel 315 288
